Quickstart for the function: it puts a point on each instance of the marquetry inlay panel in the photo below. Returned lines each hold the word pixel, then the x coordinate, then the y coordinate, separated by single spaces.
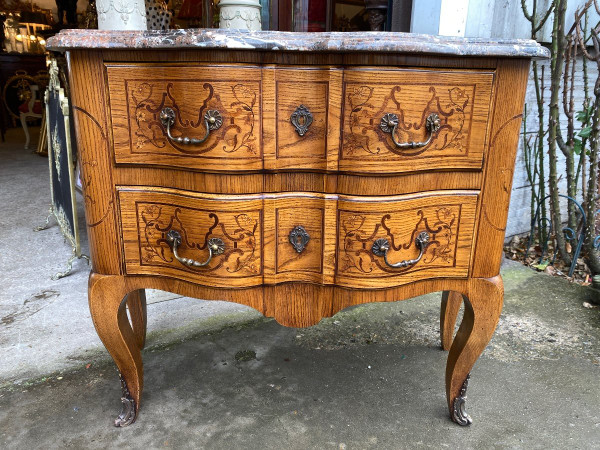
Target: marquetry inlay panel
pixel 148 215
pixel 461 100
pixel 139 94
pixel 448 218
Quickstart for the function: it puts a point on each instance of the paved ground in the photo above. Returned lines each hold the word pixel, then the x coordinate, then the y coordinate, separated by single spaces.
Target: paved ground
pixel 370 377
pixel 45 325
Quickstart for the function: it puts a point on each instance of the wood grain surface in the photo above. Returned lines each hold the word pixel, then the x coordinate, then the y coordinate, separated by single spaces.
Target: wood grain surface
pixel 94 144
pixel 450 307
pixel 139 93
pixel 305 59
pixel 316 213
pixel 448 217
pixel 499 167
pixel 136 305
pixel 256 179
pixel 460 99
pixel 351 223
pixel 285 90
pixel 483 300
pixel 328 183
pixel 147 215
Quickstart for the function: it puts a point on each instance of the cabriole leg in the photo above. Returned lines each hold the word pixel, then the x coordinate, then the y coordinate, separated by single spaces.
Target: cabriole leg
pixel 26 130
pixel 451 302
pixel 106 295
pixel 136 303
pixel 483 304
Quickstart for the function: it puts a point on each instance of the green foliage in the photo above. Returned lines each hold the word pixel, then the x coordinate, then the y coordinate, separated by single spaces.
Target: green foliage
pixel 577 146
pixel 585 132
pixel 585 115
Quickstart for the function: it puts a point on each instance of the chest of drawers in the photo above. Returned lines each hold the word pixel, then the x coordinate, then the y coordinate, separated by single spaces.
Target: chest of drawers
pixel 298 174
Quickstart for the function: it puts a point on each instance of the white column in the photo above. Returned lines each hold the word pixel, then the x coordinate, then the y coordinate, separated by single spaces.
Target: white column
pixel 425 17
pixel 453 17
pixel 121 15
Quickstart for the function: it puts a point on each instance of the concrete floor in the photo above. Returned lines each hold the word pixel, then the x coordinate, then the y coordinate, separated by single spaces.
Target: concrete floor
pixel 45 325
pixel 370 377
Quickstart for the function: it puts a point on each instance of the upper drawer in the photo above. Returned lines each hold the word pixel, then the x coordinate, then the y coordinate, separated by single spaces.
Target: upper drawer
pixel 409 120
pixel 218 105
pixel 302 110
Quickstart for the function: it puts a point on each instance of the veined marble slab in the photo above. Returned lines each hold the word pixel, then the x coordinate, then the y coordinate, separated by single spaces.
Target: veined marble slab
pixel 296 42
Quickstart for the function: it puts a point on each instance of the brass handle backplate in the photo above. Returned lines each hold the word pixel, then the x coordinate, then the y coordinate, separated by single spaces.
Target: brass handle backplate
pixel 212 121
pixel 301 119
pixel 389 124
pixel 381 247
pixel 299 238
pixel 215 246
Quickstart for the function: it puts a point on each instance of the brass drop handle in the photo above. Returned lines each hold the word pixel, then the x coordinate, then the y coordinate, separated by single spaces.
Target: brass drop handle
pixel 212 121
pixel 215 246
pixel 381 247
pixel 389 124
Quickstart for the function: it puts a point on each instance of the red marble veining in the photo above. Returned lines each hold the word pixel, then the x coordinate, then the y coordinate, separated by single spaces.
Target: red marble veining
pixel 311 42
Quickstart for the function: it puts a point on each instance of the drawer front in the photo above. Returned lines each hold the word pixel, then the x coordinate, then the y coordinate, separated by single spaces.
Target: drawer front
pixel 445 113
pixel 302 110
pixel 448 219
pixel 149 214
pixel 139 93
pixel 308 220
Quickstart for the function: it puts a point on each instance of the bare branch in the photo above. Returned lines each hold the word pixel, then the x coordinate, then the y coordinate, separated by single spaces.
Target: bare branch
pixel 566 73
pixel 564 148
pixel 596 41
pixel 562 144
pixel 579 36
pixel 545 18
pixel 579 14
pixel 525 13
pixel 572 91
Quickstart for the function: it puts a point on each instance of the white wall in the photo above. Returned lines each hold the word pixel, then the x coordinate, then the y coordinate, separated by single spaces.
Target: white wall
pixel 519 213
pixel 503 19
pixel 425 16
pixel 485 18
pixel 453 17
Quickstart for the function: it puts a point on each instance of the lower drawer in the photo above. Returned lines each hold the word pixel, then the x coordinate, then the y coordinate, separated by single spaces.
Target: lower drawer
pixel 248 240
pixel 390 241
pixel 148 215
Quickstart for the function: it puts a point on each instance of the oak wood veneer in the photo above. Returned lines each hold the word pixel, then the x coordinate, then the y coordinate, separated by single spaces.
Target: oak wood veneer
pixel 236 202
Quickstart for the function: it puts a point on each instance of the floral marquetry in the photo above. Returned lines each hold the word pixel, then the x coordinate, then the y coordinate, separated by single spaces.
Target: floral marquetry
pixel 207 119
pixel 297 223
pixel 232 230
pixel 440 225
pixel 414 120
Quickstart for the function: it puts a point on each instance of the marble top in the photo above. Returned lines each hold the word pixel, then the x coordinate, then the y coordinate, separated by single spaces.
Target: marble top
pixel 296 42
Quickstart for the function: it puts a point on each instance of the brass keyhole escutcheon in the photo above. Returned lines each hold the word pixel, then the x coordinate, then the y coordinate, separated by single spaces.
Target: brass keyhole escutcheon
pixel 299 238
pixel 301 119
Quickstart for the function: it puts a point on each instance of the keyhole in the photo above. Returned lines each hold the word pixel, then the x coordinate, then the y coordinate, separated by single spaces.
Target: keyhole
pixel 302 121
